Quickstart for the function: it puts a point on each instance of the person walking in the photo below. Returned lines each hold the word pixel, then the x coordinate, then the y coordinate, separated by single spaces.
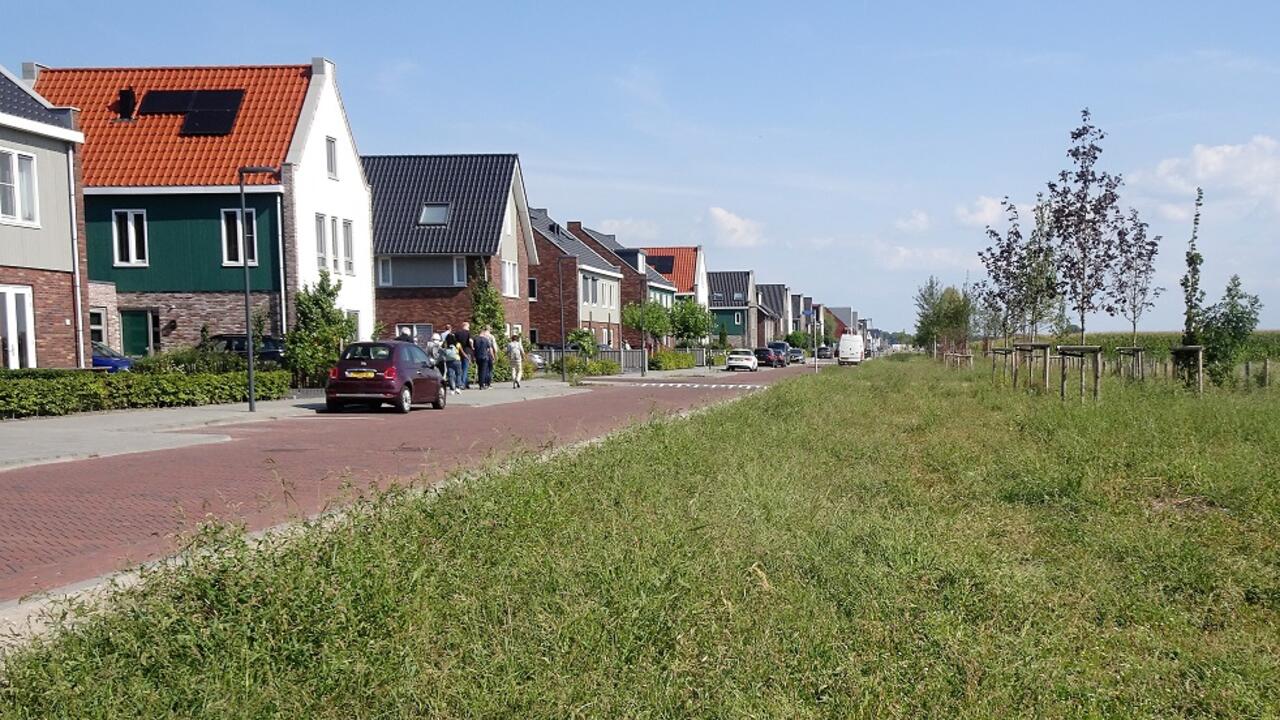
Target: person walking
pixel 515 353
pixel 435 354
pixel 463 338
pixel 453 363
pixel 486 353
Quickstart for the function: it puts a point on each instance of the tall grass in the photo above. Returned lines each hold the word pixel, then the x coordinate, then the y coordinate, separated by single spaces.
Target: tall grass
pixel 895 540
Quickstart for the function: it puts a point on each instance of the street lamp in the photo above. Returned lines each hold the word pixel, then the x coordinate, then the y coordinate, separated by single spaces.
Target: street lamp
pixel 244 261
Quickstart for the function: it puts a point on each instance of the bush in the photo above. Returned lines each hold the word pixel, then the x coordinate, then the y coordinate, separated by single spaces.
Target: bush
pixel 67 392
pixel 670 360
pixel 501 369
pixel 580 366
pixel 716 359
pixel 191 360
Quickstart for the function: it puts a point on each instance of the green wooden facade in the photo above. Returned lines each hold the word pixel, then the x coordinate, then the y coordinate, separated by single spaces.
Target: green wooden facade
pixel 726 318
pixel 184 243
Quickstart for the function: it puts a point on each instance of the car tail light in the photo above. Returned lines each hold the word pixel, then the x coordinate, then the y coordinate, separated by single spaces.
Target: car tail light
pixel 333 373
pixel 390 373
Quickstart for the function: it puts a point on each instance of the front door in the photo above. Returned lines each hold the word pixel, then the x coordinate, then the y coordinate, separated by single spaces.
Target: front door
pixel 17 327
pixel 135 332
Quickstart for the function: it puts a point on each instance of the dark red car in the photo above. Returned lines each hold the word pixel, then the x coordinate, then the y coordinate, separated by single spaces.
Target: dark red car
pixel 771 357
pixel 374 373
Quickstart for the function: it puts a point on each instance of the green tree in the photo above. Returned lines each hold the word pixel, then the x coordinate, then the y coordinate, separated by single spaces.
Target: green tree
pixel 690 322
pixel 584 339
pixel 486 306
pixel 1192 295
pixel 802 340
pixel 321 330
pixel 650 318
pixel 722 342
pixel 1226 329
pixel 928 304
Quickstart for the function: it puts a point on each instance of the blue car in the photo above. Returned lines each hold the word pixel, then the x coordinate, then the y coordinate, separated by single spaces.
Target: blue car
pixel 105 357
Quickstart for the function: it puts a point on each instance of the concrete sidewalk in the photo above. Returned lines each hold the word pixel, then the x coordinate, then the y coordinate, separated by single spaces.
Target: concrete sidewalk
pixel 37 441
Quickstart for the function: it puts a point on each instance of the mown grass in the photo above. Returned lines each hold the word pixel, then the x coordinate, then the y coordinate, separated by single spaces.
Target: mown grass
pixel 895 540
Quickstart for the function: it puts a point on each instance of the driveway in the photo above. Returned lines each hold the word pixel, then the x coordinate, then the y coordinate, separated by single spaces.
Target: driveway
pixel 66 522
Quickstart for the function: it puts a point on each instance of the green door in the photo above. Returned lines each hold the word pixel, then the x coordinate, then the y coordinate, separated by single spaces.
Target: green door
pixel 135 331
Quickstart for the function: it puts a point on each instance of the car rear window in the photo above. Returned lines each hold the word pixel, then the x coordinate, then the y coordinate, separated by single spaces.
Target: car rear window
pixel 367 352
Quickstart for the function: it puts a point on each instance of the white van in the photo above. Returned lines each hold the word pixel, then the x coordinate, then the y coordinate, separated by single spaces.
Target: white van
pixel 850 349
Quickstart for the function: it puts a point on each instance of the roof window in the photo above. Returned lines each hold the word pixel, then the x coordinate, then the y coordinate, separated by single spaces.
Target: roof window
pixel 434 214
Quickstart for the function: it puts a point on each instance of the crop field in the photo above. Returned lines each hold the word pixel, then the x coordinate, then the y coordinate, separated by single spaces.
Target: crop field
pixel 893 540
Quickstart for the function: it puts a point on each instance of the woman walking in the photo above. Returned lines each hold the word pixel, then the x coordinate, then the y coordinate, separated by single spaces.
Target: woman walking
pixel 453 362
pixel 515 353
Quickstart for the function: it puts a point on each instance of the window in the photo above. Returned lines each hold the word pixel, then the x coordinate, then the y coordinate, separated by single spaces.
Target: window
pixel 510 279
pixel 737 318
pixel 420 332
pixel 98 324
pixel 595 291
pixel 322 248
pixel 516 329
pixel 348 248
pixel 17 327
pixel 434 214
pixel 533 336
pixel 586 290
pixel 717 297
pixel 459 271
pixel 384 271
pixel 129 230
pixel 739 297
pixel 533 289
pixel 231 237
pixel 331 156
pixel 18 187
pixel 333 240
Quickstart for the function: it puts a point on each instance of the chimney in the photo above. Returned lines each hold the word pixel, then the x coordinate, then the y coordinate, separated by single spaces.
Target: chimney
pixel 126 102
pixel 31 72
pixel 642 261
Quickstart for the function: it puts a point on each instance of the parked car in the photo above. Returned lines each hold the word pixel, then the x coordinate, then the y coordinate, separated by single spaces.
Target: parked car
pixel 390 371
pixel 770 357
pixel 539 362
pixel 796 355
pixel 271 349
pixel 784 349
pixel 824 353
pixel 741 360
pixel 105 357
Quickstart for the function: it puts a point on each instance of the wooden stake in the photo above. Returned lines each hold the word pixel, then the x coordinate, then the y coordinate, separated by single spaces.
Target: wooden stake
pixel 1062 386
pixel 1097 376
pixel 1200 372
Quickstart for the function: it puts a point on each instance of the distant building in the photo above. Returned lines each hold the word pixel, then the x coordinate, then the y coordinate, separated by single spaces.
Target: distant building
pixel 734 306
pixel 571 281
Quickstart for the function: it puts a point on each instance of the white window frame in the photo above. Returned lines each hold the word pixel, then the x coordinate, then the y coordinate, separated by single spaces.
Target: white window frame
pixel 331 157
pixel 99 327
pixel 333 240
pixel 533 289
pixel 348 247
pixel 595 291
pixel 18 196
pixel 132 260
pixel 586 290
pixel 737 318
pixel 533 335
pixel 222 224
pixel 322 245
pixel 510 279
pixel 385 278
pixel 11 321
pixel 459 271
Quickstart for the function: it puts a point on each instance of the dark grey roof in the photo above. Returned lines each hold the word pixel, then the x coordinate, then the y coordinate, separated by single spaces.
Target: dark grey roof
pixel 728 282
pixel 609 241
pixel 627 255
pixel 475 186
pixel 845 315
pixel 568 243
pixel 774 297
pixel 16 99
pixel 655 278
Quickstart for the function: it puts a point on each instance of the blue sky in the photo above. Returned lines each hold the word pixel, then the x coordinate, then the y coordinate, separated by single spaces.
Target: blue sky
pixel 848 149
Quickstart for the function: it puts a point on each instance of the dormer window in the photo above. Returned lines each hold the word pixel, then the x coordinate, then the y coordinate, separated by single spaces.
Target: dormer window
pixel 717 297
pixel 739 297
pixel 434 215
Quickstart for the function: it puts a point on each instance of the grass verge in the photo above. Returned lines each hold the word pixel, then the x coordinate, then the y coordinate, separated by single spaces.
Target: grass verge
pixel 895 540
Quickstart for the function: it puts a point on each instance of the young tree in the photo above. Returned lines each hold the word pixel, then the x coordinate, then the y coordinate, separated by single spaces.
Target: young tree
pixel 1000 295
pixel 1192 295
pixel 312 346
pixel 690 322
pixel 722 342
pixel 928 299
pixel 1131 287
pixel 1038 273
pixel 1082 206
pixel 954 319
pixel 486 306
pixel 585 339
pixel 1227 327
pixel 650 318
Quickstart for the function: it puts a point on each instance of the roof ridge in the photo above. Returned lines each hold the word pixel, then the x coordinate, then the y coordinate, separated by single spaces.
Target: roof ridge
pixel 438 155
pixel 118 68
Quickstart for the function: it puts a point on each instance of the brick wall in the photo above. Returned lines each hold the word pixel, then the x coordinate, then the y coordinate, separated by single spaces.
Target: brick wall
pixel 289 231
pixel 103 295
pixel 635 286
pixel 544 314
pixel 53 305
pixel 182 315
pixel 437 306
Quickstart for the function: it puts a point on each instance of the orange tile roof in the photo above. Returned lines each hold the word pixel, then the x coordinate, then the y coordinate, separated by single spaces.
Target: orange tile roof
pixel 148 151
pixel 683 267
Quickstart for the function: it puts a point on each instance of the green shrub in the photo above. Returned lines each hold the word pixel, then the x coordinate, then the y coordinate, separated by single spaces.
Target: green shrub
pixel 501 369
pixel 78 391
pixel 670 360
pixel 580 366
pixel 716 359
pixel 191 360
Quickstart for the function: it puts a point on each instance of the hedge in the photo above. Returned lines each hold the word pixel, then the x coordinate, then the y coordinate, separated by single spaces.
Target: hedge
pixel 501 369
pixel 193 360
pixel 72 391
pixel 581 366
pixel 670 360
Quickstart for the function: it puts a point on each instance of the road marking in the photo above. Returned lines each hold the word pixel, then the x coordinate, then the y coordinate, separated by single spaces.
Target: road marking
pixel 695 386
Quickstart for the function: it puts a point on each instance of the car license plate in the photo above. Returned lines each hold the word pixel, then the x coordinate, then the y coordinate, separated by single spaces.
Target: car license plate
pixel 360 374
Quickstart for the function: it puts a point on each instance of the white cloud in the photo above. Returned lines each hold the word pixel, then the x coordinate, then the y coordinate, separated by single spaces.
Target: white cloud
pixel 630 231
pixel 916 222
pixel 980 213
pixel 1236 178
pixel 889 256
pixel 735 231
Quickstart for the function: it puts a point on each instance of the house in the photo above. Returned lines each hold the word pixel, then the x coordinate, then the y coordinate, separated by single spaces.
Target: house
pixel 846 320
pixel 43 279
pixel 445 226
pixel 732 295
pixel 161 160
pixel 685 268
pixel 797 313
pixel 640 283
pixel 571 285
pixel 775 298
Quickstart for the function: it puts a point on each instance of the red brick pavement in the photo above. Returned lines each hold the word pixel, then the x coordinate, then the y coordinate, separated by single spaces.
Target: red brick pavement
pixel 74 521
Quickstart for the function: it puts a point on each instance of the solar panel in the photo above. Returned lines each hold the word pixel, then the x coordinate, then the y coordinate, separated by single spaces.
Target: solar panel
pixel 166 102
pixel 218 100
pixel 662 263
pixel 208 122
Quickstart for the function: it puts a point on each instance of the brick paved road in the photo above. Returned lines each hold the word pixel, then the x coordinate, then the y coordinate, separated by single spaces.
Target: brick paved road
pixel 73 521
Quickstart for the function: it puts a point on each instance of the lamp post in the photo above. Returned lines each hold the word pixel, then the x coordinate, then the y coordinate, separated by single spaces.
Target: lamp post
pixel 244 261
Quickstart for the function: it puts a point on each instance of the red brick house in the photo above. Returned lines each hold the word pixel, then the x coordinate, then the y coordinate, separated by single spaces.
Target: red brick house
pixel 572 285
pixel 442 223
pixel 640 283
